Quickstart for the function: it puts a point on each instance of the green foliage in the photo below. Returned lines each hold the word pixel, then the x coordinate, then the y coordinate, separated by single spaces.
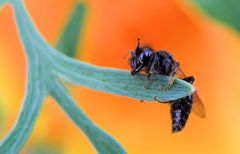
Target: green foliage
pixel 226 11
pixel 47 67
pixel 69 39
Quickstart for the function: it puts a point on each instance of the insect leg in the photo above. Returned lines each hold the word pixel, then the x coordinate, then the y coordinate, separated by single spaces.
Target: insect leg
pixel 171 76
pixel 147 81
pixel 155 98
pixel 151 70
pixel 173 73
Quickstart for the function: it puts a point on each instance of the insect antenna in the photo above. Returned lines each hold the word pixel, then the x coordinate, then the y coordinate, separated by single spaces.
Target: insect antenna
pixel 137 50
pixel 138 46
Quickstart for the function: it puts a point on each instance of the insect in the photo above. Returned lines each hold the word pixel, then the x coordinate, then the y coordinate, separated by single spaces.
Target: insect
pixel 162 62
pixel 145 59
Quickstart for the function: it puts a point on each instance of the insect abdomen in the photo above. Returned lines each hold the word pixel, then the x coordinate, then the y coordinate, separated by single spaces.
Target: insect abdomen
pixel 180 111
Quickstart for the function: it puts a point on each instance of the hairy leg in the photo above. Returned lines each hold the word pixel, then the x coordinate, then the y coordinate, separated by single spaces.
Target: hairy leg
pixel 171 77
pixel 155 98
pixel 147 81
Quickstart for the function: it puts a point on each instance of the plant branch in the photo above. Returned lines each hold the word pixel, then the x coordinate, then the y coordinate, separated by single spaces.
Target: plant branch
pixel 27 118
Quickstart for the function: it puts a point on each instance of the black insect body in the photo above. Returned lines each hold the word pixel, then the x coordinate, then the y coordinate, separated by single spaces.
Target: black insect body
pixel 161 62
pixel 181 108
pixel 141 59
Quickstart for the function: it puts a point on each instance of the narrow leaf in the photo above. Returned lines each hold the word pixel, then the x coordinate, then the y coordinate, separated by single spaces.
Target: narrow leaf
pixel 68 41
pixel 35 94
pixel 226 11
pixel 100 139
pixel 118 82
pixel 109 80
pixel 27 118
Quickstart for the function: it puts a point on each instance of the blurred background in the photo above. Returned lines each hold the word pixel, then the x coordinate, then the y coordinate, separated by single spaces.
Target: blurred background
pixel 205 47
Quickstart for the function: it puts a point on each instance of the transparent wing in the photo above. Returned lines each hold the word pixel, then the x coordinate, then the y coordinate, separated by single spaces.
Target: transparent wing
pixel 197 106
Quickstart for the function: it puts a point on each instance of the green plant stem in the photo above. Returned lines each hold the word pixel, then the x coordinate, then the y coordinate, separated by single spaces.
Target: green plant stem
pixel 28 115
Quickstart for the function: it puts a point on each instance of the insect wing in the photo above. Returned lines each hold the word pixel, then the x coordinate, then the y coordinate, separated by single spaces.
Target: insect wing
pixel 197 106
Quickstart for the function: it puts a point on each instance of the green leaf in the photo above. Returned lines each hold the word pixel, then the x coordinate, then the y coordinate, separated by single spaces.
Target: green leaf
pixel 30 110
pixel 69 39
pixel 119 82
pixel 47 66
pixel 226 11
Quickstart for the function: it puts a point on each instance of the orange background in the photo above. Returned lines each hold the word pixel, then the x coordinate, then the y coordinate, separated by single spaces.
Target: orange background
pixel 205 49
